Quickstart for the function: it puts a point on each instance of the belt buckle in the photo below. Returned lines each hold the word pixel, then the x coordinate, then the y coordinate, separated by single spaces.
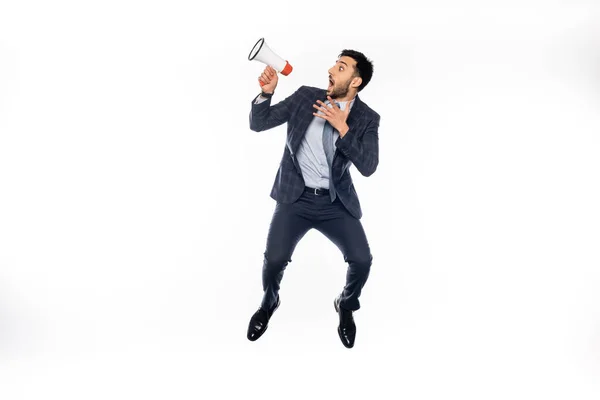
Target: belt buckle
pixel 316 194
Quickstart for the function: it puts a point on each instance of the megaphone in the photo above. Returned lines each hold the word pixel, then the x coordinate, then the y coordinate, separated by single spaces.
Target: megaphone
pixel 261 52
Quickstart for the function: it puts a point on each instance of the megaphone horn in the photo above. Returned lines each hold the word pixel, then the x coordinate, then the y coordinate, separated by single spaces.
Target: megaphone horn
pixel 261 52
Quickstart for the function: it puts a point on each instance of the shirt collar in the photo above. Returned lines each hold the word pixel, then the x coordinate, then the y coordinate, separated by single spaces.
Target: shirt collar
pixel 351 102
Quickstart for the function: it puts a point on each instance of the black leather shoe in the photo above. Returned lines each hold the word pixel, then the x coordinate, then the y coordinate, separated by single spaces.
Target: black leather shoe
pixel 347 328
pixel 259 321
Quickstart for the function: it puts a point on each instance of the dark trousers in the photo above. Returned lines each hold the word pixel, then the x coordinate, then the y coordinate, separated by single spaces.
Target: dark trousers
pixel 290 223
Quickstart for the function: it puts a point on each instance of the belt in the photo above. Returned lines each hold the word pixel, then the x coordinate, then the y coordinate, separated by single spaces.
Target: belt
pixel 316 191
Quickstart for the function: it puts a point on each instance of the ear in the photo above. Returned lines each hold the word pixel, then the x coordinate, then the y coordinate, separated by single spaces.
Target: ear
pixel 356 82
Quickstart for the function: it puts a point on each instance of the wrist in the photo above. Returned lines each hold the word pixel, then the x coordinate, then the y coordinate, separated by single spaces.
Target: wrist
pixel 266 94
pixel 344 130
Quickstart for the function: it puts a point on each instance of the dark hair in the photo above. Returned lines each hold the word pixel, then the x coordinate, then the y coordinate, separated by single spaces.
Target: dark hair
pixel 364 66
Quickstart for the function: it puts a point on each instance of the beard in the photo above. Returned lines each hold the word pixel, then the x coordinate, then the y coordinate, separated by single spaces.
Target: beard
pixel 340 90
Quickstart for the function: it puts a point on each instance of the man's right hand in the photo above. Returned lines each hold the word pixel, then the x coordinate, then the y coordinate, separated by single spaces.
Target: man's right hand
pixel 269 78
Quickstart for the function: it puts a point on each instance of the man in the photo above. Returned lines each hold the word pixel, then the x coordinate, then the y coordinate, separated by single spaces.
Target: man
pixel 313 187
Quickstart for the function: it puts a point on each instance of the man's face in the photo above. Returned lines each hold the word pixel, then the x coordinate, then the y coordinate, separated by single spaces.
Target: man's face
pixel 341 76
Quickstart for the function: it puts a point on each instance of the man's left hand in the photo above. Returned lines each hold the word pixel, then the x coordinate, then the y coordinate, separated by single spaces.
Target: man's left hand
pixel 334 115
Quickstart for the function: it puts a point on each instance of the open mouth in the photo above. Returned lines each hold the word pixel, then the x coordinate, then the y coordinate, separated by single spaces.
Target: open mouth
pixel 330 83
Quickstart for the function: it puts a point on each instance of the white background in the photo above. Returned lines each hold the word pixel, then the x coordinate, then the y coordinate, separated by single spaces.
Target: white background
pixel 134 202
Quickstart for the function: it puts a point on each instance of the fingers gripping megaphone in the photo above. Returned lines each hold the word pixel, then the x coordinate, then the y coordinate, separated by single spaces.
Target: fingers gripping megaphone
pixel 261 52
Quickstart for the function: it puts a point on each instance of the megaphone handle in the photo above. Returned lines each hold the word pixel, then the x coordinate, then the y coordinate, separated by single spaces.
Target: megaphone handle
pixel 261 83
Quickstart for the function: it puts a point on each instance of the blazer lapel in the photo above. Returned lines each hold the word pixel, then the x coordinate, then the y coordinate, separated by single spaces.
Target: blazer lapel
pixel 356 112
pixel 305 117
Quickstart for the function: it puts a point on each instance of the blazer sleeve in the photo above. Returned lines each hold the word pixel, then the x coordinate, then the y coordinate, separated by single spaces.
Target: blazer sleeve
pixel 363 152
pixel 263 116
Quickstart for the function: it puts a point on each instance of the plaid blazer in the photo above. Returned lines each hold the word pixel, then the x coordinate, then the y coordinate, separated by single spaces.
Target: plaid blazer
pixel 360 145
